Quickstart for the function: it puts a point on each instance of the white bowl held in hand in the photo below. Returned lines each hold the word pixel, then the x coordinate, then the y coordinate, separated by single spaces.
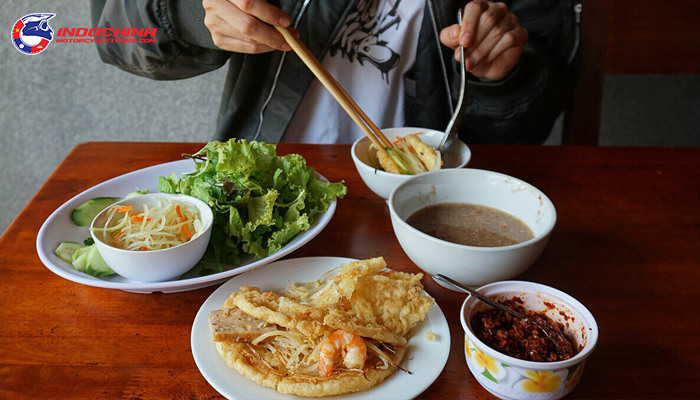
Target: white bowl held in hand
pixel 469 265
pixel 512 378
pixel 155 265
pixel 382 182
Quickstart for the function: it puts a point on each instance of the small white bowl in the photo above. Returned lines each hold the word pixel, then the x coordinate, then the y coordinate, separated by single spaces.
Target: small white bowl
pixel 512 378
pixel 156 265
pixel 469 265
pixel 382 182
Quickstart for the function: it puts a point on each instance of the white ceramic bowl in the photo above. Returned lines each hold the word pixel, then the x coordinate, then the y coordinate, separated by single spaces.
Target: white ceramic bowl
pixel 381 182
pixel 512 378
pixel 469 265
pixel 156 265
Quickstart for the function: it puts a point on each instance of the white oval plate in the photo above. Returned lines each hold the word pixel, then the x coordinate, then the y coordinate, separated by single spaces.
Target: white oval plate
pixel 60 228
pixel 424 359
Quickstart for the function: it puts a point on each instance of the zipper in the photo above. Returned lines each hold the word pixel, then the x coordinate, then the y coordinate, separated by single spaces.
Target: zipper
pixel 277 73
pixel 578 7
pixel 433 19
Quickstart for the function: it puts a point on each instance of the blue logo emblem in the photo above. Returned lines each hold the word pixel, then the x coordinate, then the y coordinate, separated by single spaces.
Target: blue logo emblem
pixel 32 33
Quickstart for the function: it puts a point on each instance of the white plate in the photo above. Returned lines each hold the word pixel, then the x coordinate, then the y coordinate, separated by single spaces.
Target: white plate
pixel 424 359
pixel 60 228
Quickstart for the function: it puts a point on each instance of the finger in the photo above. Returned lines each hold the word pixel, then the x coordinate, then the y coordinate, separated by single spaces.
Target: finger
pixel 500 67
pixel 470 21
pixel 263 11
pixel 249 27
pixel 490 42
pixel 241 46
pixel 488 21
pixel 450 36
pixel 512 39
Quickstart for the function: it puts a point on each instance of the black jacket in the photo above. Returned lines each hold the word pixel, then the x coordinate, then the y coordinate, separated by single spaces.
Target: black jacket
pixel 262 91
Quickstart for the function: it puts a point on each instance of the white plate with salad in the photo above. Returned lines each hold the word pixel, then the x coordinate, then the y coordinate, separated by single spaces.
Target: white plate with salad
pixel 297 206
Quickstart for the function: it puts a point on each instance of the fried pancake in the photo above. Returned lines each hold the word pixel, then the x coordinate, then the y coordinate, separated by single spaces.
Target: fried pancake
pixel 376 296
pixel 234 325
pixel 363 298
pixel 309 321
pixel 337 319
pixel 281 310
pixel 247 360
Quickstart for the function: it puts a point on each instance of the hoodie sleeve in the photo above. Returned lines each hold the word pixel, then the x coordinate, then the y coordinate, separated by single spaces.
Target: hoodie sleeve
pixel 183 46
pixel 518 109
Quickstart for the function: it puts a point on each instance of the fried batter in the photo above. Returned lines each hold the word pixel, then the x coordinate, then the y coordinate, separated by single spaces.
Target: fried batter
pixel 247 360
pixel 425 153
pixel 282 311
pixel 388 164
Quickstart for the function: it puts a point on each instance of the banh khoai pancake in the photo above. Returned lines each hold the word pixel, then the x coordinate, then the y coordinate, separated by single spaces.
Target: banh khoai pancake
pixel 345 332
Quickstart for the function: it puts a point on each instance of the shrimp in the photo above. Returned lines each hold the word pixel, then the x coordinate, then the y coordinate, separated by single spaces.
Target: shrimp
pixel 354 351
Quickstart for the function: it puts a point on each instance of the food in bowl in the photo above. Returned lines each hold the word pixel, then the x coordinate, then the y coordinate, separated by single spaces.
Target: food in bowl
pixel 409 156
pixel 381 182
pixel 513 378
pixel 157 264
pixel 523 338
pixel 471 265
pixel 345 332
pixel 470 225
pixel 166 224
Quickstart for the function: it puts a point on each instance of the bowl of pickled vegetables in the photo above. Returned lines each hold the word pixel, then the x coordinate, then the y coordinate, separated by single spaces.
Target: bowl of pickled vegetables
pixel 153 237
pixel 413 153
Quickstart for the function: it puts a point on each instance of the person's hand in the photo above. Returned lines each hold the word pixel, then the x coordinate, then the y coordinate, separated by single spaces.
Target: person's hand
pixel 492 38
pixel 243 26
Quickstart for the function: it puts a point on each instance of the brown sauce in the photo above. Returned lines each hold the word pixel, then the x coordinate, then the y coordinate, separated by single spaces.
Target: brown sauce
pixel 470 225
pixel 521 338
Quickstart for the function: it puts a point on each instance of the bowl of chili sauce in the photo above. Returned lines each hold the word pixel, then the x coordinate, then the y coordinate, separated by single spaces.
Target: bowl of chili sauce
pixel 512 358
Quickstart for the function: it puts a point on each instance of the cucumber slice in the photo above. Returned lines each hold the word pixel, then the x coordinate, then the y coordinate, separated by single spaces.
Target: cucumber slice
pixel 65 250
pixel 96 266
pixel 139 192
pixel 80 252
pixel 80 261
pixel 85 213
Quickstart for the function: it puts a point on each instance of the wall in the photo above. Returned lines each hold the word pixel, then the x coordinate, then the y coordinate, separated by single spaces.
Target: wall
pixel 64 96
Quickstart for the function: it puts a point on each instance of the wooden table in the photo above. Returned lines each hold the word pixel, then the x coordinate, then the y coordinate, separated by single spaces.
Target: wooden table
pixel 626 244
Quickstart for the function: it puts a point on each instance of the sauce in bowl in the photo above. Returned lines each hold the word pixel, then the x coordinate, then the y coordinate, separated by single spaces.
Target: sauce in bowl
pixel 470 225
pixel 521 338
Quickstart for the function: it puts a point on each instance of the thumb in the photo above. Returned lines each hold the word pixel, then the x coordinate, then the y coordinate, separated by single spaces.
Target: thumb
pixel 450 36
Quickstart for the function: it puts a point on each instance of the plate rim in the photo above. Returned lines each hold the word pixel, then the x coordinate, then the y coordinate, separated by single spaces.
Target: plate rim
pixel 202 315
pixel 184 284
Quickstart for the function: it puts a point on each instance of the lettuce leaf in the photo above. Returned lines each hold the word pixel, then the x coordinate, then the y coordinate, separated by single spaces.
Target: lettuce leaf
pixel 260 201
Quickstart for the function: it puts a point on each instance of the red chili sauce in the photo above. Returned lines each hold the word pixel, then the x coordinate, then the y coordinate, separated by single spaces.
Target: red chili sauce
pixel 521 338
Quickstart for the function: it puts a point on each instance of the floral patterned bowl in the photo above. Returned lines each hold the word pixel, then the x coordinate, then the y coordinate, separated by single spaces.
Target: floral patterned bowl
pixel 512 378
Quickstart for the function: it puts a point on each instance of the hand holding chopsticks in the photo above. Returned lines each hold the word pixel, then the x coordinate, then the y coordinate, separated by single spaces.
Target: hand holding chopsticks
pixel 353 110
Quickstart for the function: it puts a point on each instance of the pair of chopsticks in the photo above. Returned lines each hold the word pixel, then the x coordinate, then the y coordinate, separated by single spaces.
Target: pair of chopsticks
pixel 353 110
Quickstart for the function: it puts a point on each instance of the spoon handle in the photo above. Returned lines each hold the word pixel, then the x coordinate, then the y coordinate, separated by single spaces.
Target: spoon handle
pixel 456 121
pixel 476 294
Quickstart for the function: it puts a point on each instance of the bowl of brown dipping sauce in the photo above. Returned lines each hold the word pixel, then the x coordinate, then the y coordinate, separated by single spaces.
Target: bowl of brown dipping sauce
pixel 472 225
pixel 512 358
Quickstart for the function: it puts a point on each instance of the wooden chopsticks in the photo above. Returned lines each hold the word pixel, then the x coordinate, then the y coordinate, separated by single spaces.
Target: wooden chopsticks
pixel 353 110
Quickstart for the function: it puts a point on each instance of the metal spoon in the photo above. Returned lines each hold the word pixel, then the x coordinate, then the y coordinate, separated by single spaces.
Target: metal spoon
pixel 494 304
pixel 458 115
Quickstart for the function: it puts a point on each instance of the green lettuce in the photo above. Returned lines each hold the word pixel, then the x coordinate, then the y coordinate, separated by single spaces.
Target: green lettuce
pixel 260 201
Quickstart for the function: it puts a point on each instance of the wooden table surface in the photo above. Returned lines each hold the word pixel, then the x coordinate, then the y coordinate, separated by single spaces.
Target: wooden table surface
pixel 626 244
